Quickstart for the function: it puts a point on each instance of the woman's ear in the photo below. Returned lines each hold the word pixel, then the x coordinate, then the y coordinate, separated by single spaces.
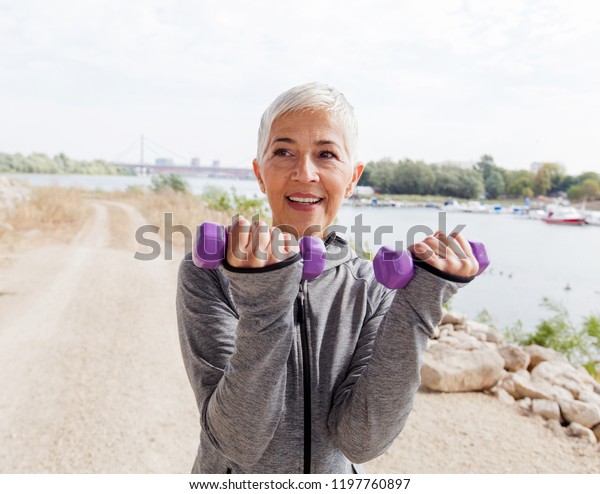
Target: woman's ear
pixel 356 173
pixel 256 167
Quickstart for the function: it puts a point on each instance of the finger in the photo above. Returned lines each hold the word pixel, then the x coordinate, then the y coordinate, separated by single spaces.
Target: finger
pixel 261 243
pixel 238 241
pixel 438 247
pixel 471 260
pixel 463 242
pixel 460 254
pixel 422 251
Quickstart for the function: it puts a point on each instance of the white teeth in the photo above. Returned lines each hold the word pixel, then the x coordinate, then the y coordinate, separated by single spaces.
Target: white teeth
pixel 309 200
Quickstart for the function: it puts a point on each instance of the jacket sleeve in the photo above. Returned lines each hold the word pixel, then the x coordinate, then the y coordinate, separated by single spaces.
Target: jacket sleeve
pixel 371 406
pixel 236 359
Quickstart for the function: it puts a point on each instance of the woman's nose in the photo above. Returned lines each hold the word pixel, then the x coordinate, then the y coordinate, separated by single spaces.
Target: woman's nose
pixel 306 170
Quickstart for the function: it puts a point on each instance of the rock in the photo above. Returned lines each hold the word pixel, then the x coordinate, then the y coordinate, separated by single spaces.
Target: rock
pixel 505 397
pixel 442 329
pixel 483 332
pixel 562 374
pixel 536 389
pixel 453 318
pixel 546 408
pixel 577 430
pixel 589 397
pixel 596 431
pixel 450 369
pixel 587 379
pixel 539 354
pixel 577 411
pixel 515 357
pixel 524 405
pixel 554 426
pixel 508 385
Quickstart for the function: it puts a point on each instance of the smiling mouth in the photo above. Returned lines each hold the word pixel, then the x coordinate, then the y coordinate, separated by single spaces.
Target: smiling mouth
pixel 304 200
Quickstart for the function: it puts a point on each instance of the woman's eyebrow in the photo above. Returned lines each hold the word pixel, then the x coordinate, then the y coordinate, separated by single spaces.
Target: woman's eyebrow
pixel 284 139
pixel 326 143
pixel 289 140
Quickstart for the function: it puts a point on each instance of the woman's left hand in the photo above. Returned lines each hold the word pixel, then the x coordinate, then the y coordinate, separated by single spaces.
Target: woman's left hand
pixel 450 254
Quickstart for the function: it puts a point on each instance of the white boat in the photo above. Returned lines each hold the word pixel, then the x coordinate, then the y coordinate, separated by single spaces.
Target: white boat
pixel 475 207
pixel 564 216
pixel 592 217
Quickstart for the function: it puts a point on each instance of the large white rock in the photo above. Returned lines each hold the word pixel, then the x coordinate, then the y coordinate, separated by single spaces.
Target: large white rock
pixel 448 368
pixel 589 397
pixel 526 387
pixel 548 409
pixel 540 354
pixel 562 374
pixel 514 356
pixel 577 430
pixel 585 414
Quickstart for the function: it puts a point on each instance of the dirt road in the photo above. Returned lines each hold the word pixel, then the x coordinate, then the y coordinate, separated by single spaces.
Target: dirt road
pixel 91 375
pixel 92 378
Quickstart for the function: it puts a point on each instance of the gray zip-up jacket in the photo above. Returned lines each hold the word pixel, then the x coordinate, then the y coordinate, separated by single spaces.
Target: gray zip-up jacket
pixel 293 376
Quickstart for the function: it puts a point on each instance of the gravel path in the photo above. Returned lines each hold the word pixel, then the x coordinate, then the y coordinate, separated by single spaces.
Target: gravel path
pixel 92 379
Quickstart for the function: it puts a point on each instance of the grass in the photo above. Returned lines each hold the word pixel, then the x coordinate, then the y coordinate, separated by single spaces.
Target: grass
pixel 51 213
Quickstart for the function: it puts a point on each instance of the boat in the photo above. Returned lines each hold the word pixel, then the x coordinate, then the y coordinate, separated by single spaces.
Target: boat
pixel 592 218
pixel 475 207
pixel 564 216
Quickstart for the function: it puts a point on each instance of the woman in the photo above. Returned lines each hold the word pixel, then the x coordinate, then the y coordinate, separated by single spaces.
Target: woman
pixel 295 376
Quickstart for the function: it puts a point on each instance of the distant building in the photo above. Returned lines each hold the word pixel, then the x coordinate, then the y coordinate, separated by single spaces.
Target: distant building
pixel 216 163
pixel 163 162
pixel 195 162
pixel 535 167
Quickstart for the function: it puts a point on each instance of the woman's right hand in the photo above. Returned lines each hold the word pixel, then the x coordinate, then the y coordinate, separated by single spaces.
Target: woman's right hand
pixel 256 245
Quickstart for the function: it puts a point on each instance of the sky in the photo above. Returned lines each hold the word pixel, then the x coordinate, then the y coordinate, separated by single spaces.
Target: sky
pixel 430 80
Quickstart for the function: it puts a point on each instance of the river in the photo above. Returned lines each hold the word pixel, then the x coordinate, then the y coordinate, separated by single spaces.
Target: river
pixel 530 259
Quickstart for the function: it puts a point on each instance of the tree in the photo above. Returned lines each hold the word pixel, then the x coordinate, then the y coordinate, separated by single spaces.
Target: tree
pixel 588 189
pixel 494 184
pixel 519 183
pixel 542 182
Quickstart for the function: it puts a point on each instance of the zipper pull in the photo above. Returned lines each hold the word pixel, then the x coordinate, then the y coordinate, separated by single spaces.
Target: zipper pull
pixel 300 299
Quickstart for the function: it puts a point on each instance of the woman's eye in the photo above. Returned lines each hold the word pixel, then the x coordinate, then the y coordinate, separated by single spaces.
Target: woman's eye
pixel 281 152
pixel 327 155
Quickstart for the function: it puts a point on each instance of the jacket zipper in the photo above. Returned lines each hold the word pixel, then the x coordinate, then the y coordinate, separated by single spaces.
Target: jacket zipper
pixel 306 379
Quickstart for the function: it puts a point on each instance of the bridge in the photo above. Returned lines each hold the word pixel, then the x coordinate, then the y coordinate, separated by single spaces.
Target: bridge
pixel 211 171
pixel 143 168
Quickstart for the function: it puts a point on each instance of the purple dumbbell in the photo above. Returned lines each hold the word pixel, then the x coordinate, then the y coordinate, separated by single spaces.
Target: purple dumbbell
pixel 395 269
pixel 210 245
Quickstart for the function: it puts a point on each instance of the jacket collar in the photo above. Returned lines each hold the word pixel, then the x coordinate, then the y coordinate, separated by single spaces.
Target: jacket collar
pixel 338 251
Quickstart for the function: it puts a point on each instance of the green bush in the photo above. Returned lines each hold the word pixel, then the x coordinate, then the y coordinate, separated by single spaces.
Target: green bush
pixel 581 345
pixel 171 181
pixel 232 203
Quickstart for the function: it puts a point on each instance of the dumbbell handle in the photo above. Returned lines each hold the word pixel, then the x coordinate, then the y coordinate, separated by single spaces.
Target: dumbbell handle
pixel 210 248
pixel 395 269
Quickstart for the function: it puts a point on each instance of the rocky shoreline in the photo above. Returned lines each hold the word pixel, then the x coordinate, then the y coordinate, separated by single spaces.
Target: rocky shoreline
pixel 467 355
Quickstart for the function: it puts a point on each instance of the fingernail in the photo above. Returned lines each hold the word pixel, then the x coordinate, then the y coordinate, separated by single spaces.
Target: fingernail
pixel 420 248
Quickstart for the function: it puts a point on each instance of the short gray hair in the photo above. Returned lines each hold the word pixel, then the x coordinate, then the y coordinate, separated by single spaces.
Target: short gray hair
pixel 311 96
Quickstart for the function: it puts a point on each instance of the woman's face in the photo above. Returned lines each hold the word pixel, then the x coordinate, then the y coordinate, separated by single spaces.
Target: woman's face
pixel 306 172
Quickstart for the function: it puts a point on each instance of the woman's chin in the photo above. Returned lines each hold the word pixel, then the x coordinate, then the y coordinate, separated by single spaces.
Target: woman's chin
pixel 303 228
